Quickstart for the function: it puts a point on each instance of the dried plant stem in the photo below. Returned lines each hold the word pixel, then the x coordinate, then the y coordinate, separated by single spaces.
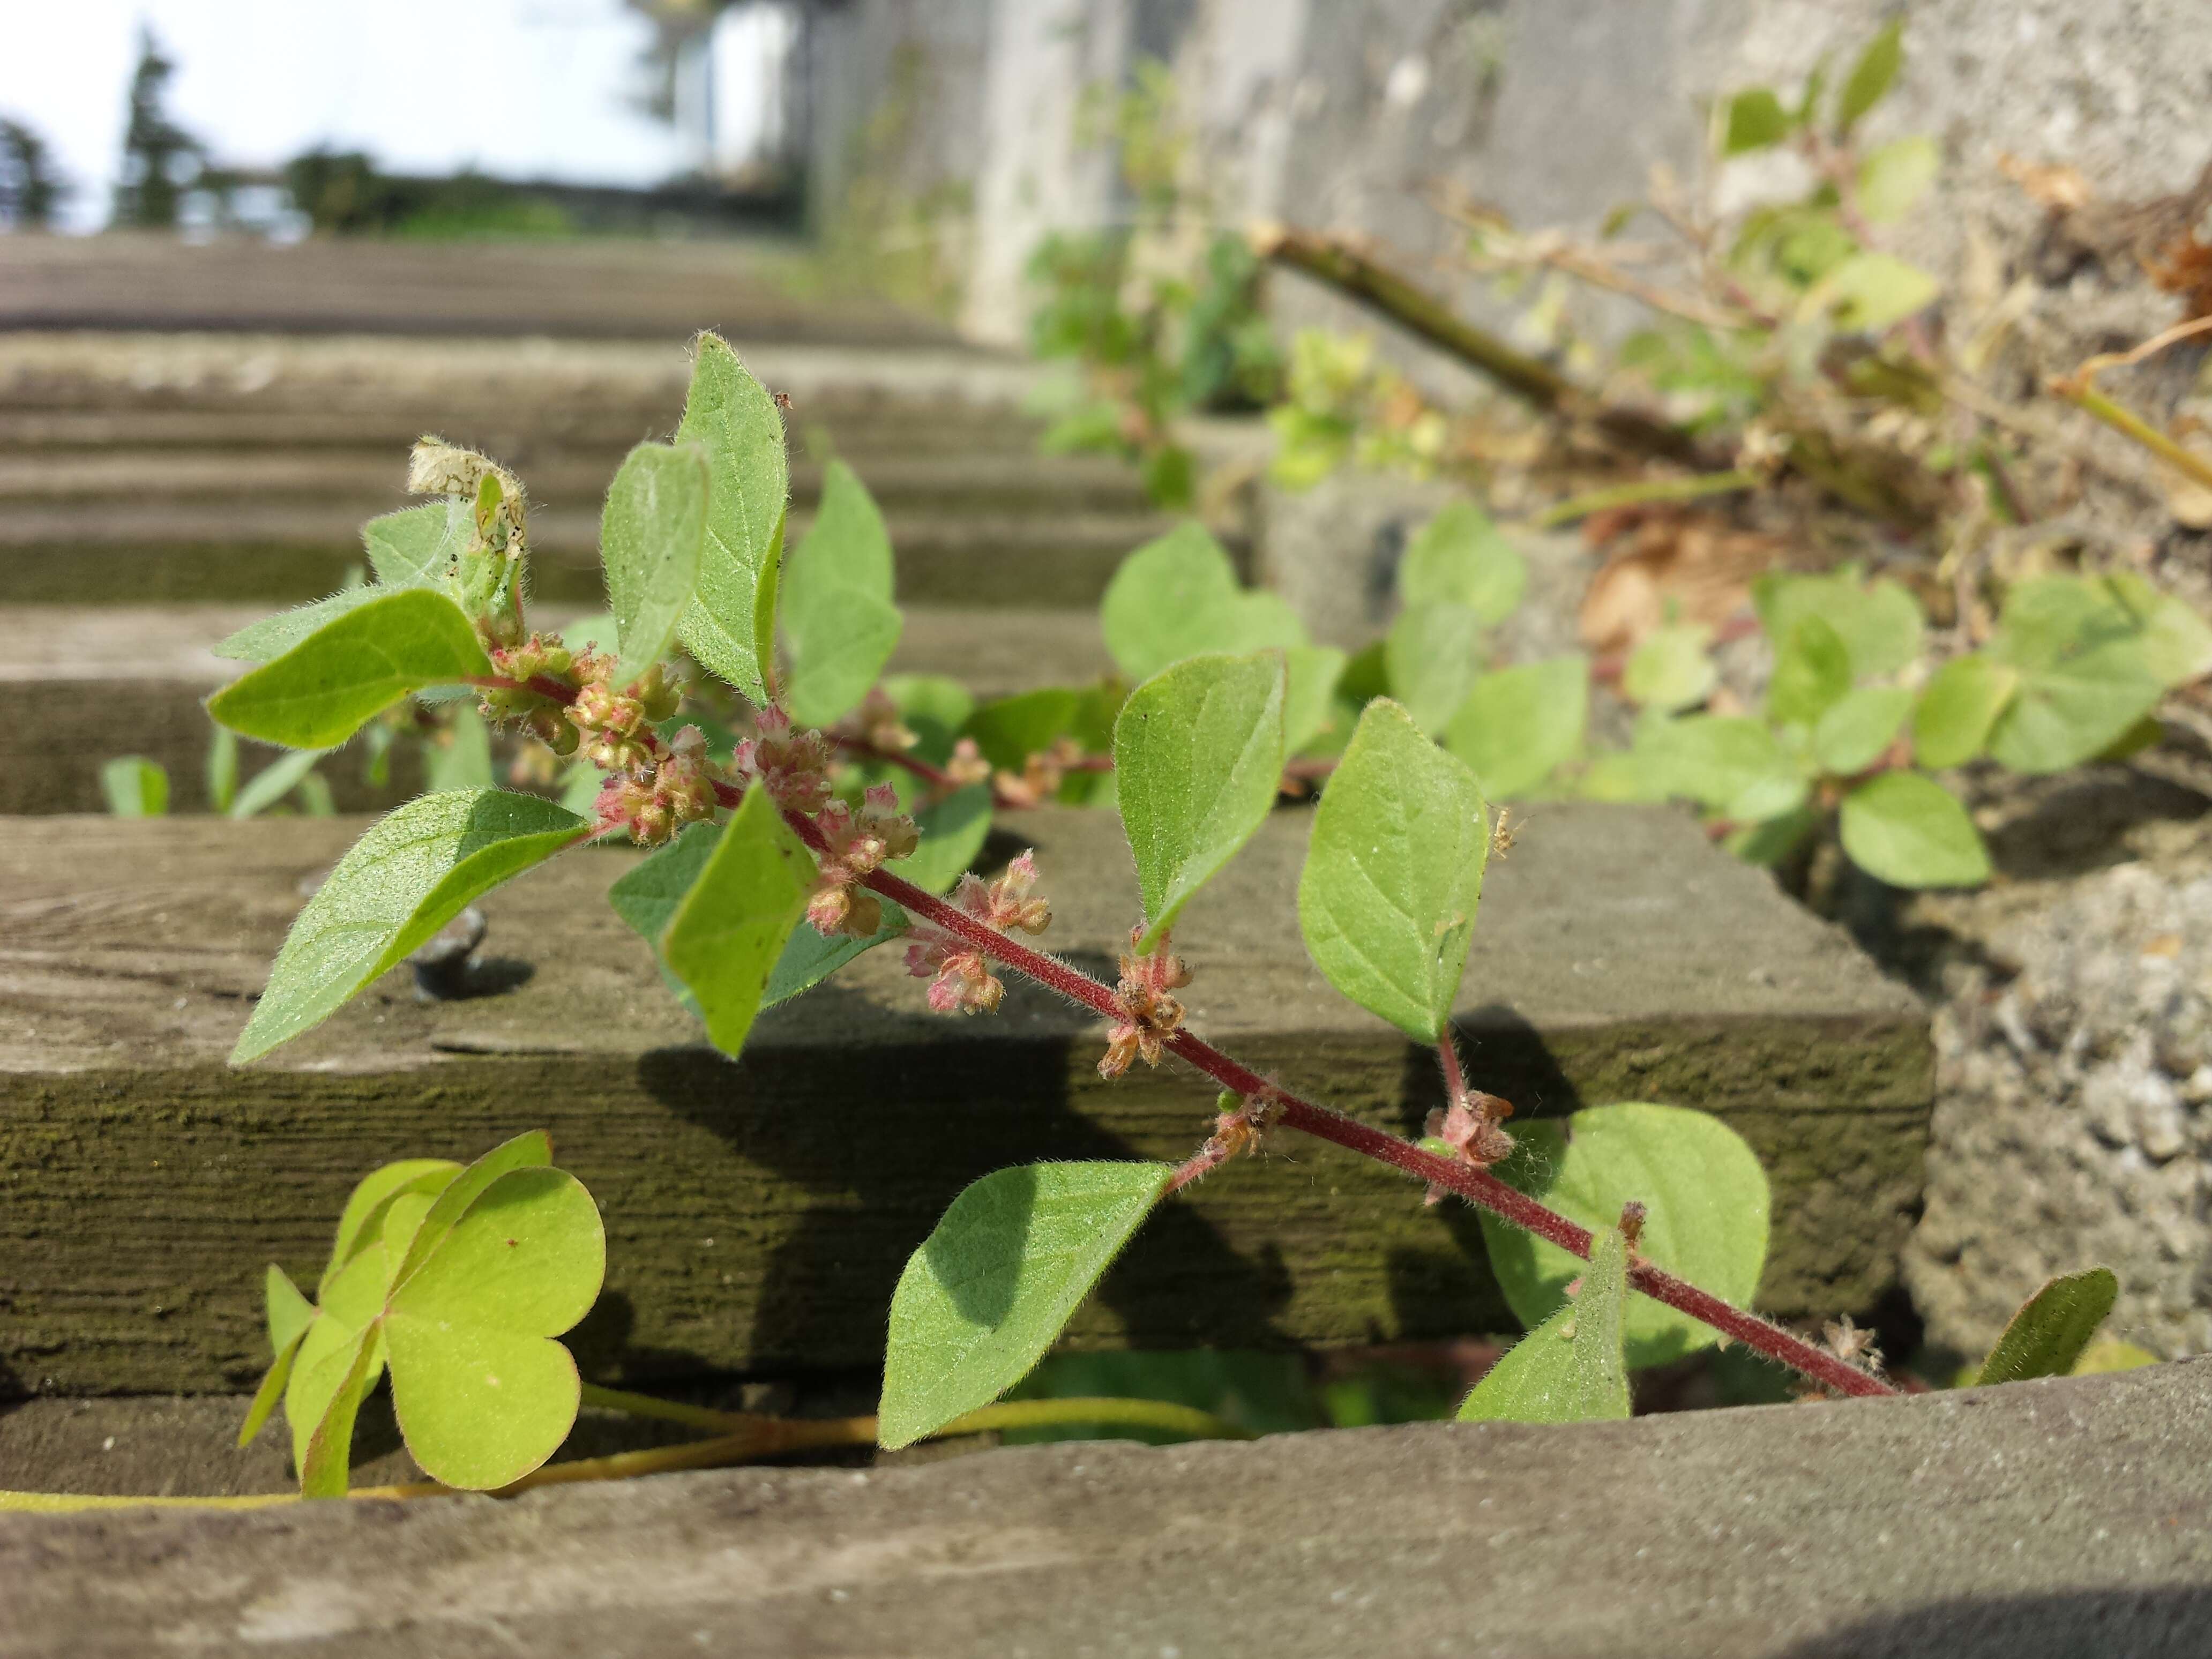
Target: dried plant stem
pixel 1640 495
pixel 1477 1186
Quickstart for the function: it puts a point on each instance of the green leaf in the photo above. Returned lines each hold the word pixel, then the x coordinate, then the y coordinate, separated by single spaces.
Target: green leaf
pixel 2053 1329
pixel 1393 872
pixel 1570 1369
pixel 1871 292
pixel 345 1377
pixel 730 928
pixel 451 1195
pixel 991 1286
pixel 2176 641
pixel 1460 557
pixel 361 1223
pixel 1009 730
pixel 1871 76
pixel 2064 715
pixel 318 693
pixel 289 1316
pixel 1198 755
pixel 1879 622
pixel 838 615
pixel 1671 670
pixel 419 546
pixel 1177 596
pixel 809 958
pixel 464 760
pixel 483 1393
pixel 274 635
pixel 1756 120
pixel 1859 728
pixel 1429 653
pixel 1310 694
pixel 953 831
pixel 934 708
pixel 1958 709
pixel 409 875
pixel 135 787
pixel 653 536
pixel 729 624
pixel 220 768
pixel 1911 831
pixel 1707 1213
pixel 1894 177
pixel 1812 671
pixel 1519 724
pixel 1729 763
pixel 274 781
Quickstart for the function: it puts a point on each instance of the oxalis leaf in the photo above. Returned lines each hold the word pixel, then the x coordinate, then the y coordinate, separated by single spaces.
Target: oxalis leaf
pixel 731 925
pixel 289 1316
pixel 483 1393
pixel 1570 1368
pixel 1707 1202
pixel 2053 1328
pixel 990 1288
pixel 838 615
pixel 1911 831
pixel 1198 755
pixel 653 534
pixel 408 876
pixel 351 669
pixel 1393 872
pixel 1177 596
pixel 729 624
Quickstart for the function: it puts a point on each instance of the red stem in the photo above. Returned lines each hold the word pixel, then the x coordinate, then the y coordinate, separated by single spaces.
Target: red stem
pixel 1478 1186
pixel 1454 1079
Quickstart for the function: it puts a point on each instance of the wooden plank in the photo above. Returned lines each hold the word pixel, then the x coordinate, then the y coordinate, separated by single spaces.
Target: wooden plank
pixel 2037 1521
pixel 88 684
pixel 607 289
pixel 758 1212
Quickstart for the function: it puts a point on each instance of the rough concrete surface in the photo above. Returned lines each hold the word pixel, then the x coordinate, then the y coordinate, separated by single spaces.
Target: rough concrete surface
pixel 2045 1519
pixel 2075 1071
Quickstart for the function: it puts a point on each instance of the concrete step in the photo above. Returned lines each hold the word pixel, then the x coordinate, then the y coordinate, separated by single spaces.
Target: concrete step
pixel 2036 1521
pixel 751 1228
pixel 87 684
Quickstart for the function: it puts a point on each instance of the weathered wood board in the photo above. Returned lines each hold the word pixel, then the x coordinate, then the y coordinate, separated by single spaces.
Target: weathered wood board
pixel 603 288
pixel 2050 1519
pixel 758 1212
pixel 87 683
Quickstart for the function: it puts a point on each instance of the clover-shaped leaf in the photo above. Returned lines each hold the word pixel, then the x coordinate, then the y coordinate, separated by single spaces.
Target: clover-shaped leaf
pixel 483 1393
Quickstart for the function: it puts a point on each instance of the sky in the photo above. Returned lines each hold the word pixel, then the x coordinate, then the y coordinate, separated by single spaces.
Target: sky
pixel 516 88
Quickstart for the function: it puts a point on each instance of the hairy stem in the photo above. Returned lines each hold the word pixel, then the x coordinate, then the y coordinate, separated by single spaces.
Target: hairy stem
pixel 1477 1186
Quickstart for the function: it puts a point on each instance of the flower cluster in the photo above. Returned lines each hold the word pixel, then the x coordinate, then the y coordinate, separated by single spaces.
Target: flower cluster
pixel 794 767
pixel 1041 774
pixel 879 724
pixel 614 726
pixel 536 657
pixel 1473 1126
pixel 859 842
pixel 1240 1124
pixel 964 982
pixel 655 801
pixel 1151 1013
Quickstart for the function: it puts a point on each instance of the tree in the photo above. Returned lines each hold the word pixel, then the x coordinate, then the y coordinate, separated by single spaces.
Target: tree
pixel 159 156
pixel 29 188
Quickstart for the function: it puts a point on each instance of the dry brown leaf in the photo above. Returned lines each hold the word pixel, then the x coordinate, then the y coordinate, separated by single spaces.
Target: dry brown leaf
pixel 2054 186
pixel 2184 266
pixel 1673 566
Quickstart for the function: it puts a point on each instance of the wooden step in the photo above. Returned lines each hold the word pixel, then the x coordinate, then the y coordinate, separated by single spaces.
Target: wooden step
pixel 759 1213
pixel 2035 1521
pixel 611 288
pixel 87 684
